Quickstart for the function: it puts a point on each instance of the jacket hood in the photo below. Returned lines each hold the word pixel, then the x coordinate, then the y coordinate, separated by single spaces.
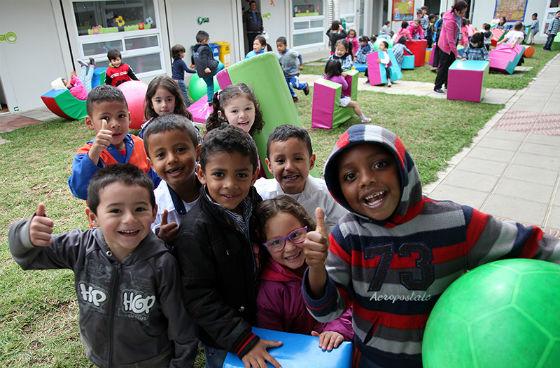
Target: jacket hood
pixel 411 189
pixel 273 271
pixel 150 246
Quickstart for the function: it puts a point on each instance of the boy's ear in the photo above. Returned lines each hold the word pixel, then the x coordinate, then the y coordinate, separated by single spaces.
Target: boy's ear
pixel 267 161
pixel 89 122
pixel 200 174
pixel 312 161
pixel 154 212
pixel 256 174
pixel 92 217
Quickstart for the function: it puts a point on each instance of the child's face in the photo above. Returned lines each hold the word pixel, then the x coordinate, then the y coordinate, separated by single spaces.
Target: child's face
pixel 240 112
pixel 172 155
pixel 351 34
pixel 116 62
pixel 117 116
pixel 124 215
pixel 280 226
pixel 382 46
pixel 290 162
pixel 257 46
pixel 281 47
pixel 369 181
pixel 228 177
pixel 363 43
pixel 163 102
pixel 340 50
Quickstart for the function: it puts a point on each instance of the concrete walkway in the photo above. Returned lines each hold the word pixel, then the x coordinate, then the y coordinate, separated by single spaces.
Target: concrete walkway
pixel 512 170
pixel 493 95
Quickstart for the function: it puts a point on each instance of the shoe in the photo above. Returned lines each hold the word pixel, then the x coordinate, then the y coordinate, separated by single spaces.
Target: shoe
pixel 366 120
pixel 83 63
pixel 306 89
pixel 439 90
pixel 295 98
pixel 389 84
pixel 91 61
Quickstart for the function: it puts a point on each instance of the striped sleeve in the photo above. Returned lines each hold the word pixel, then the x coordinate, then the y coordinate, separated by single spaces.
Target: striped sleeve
pixel 489 239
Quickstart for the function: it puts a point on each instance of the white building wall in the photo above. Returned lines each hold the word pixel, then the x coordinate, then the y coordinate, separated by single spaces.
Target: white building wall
pixel 276 21
pixel 39 54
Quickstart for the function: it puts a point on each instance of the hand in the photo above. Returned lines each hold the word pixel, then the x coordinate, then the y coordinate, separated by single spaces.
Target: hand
pixel 207 71
pixel 328 340
pixel 41 228
pixel 102 141
pixel 316 246
pixel 300 67
pixel 258 355
pixel 167 231
pixel 378 61
pixel 192 66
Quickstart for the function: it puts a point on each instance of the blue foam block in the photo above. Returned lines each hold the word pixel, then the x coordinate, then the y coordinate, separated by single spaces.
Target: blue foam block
pixel 299 351
pixel 360 67
pixel 408 62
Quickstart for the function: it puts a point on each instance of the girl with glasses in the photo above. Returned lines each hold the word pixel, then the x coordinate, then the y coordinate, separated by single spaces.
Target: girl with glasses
pixel 283 226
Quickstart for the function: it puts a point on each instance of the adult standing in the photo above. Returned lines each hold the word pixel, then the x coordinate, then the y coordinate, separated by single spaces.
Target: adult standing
pixel 253 23
pixel 448 39
pixel 551 31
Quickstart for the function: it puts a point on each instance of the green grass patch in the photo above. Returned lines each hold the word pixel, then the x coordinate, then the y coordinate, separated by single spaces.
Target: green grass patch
pixel 38 312
pixel 517 80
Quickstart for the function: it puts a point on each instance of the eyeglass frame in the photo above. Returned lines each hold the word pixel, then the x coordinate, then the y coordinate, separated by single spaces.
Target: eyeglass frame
pixel 284 239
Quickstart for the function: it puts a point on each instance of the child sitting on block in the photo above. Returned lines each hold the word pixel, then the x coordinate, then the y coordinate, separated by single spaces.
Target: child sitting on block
pixel 290 157
pixel 476 49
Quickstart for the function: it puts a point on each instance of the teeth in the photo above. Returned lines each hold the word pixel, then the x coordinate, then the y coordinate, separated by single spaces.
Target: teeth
pixel 374 199
pixel 128 231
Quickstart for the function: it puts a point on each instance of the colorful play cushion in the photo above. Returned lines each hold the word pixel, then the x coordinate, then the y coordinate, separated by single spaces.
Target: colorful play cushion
pixel 504 58
pixel 465 81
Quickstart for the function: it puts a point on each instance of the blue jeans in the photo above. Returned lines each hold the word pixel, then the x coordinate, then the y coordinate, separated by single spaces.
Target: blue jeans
pixel 549 41
pixel 293 81
pixel 183 88
pixel 85 75
pixel 209 80
pixel 214 357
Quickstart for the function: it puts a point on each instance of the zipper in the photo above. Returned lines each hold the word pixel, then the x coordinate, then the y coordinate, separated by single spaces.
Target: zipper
pixel 114 296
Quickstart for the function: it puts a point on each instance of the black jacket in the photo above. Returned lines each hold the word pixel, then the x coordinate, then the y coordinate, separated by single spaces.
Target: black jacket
pixel 203 58
pixel 131 313
pixel 253 25
pixel 219 273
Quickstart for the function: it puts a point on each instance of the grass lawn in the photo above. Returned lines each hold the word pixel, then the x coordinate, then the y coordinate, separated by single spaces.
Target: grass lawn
pixel 38 312
pixel 517 80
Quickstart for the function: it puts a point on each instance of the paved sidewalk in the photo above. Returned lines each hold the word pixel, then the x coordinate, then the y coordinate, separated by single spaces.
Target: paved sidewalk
pixel 493 95
pixel 512 170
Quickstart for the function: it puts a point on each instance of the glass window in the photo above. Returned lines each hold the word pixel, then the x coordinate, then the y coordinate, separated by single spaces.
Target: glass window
pixel 316 23
pixel 308 38
pixel 140 64
pixel 114 16
pixel 306 8
pixel 301 25
pixel 141 42
pixel 101 47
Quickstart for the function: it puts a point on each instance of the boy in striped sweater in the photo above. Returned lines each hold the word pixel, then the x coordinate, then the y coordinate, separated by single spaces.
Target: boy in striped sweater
pixel 396 251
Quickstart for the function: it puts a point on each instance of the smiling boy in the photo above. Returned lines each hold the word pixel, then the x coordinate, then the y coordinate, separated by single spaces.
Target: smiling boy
pixel 108 116
pixel 127 282
pixel 397 251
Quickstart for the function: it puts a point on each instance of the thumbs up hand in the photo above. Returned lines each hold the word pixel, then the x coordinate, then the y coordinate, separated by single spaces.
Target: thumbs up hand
pixel 167 231
pixel 41 228
pixel 316 244
pixel 102 141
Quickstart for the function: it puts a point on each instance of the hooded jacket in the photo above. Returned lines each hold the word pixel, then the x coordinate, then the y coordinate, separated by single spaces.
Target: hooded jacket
pixel 280 305
pixel 131 313
pixel 394 271
pixel 203 58
pixel 447 41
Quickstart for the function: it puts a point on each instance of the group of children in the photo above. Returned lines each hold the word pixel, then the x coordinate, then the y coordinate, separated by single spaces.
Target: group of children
pixel 360 255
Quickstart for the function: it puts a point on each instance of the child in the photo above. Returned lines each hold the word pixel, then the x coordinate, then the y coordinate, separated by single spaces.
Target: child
pixel 514 37
pixel 476 49
pixel 178 70
pixel 487 36
pixel 127 282
pixel 216 253
pixel 533 29
pixel 352 40
pixel 397 251
pixel 171 142
pixel 206 65
pixel 283 225
pixel 335 33
pixel 333 72
pixel 107 114
pixel 399 50
pixel 342 55
pixel 464 35
pixel 430 31
pixel 416 31
pixel 236 105
pixel 386 29
pixel 364 50
pixel 163 96
pixel 291 63
pixel 552 31
pixel 290 157
pixel 403 32
pixel 79 85
pixel 385 60
pixel 118 72
pixel 502 23
pixel 259 47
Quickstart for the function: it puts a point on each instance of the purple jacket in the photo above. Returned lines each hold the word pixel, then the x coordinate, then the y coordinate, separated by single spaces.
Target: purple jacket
pixel 280 305
pixel 78 89
pixel 448 36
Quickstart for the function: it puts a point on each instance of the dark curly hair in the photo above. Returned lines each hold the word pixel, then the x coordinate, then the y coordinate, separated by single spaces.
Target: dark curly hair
pixel 220 100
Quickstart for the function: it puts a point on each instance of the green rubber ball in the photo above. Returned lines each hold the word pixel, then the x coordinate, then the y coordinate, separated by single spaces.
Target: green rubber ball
pixel 503 314
pixel 378 41
pixel 197 87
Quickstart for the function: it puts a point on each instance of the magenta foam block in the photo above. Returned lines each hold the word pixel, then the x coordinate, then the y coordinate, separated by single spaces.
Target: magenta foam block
pixel 326 111
pixel 504 58
pixel 465 80
pixel 200 110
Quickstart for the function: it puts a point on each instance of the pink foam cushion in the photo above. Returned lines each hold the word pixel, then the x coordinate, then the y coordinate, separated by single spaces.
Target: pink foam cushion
pixel 200 110
pixel 223 78
pixel 465 80
pixel 323 106
pixel 502 55
pixel 418 48
pixel 374 71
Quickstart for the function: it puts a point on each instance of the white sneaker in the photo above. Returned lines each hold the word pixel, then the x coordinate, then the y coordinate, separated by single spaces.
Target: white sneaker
pixel 389 84
pixel 366 120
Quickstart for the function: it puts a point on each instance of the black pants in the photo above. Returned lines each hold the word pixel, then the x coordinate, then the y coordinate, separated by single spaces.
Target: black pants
pixel 549 41
pixel 445 61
